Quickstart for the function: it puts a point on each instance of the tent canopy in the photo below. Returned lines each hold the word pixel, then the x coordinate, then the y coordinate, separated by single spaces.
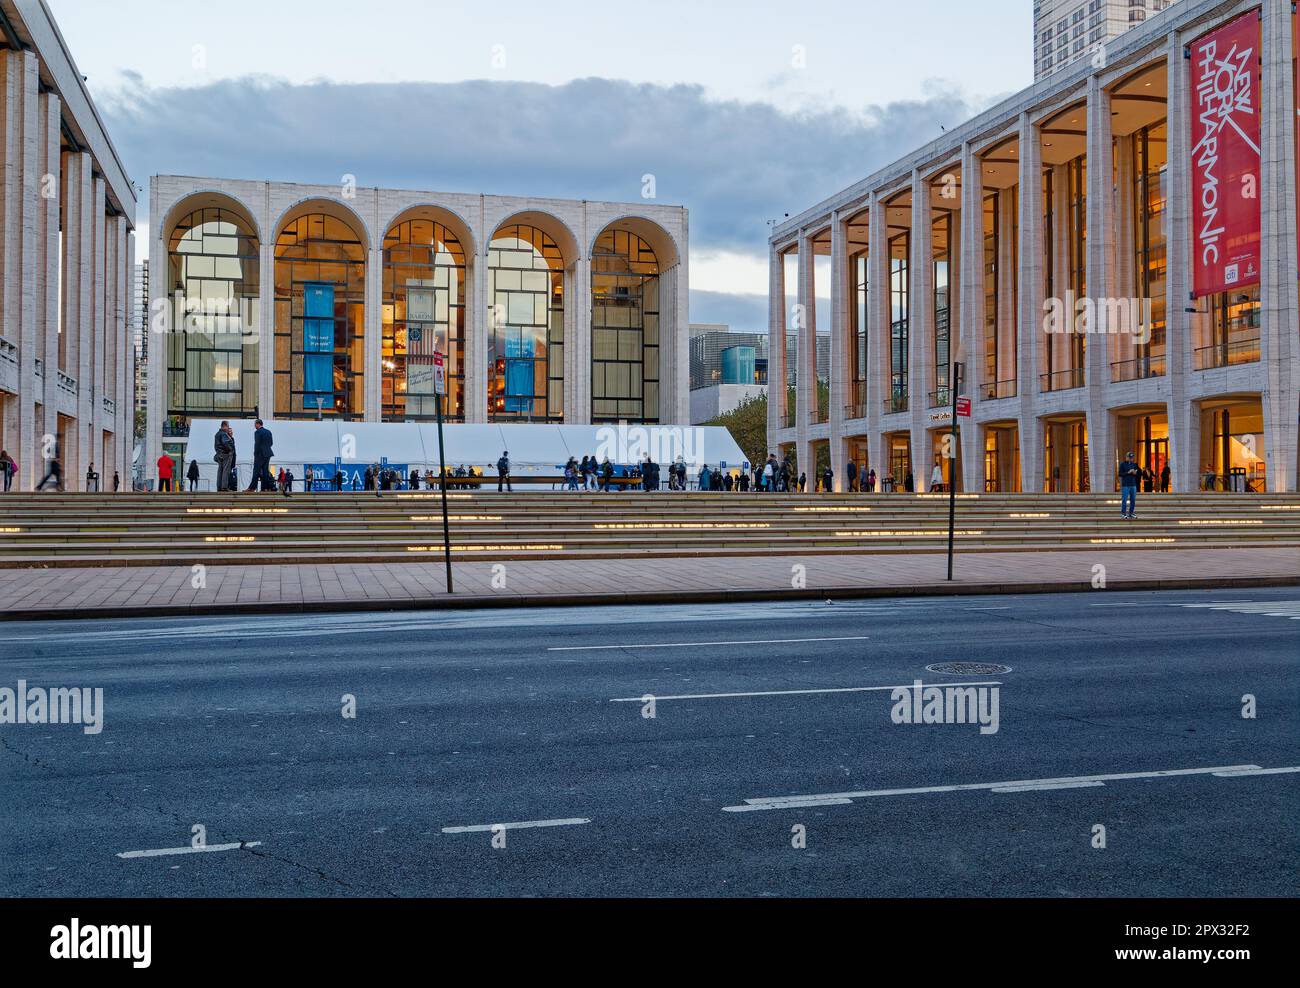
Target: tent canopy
pixel 534 449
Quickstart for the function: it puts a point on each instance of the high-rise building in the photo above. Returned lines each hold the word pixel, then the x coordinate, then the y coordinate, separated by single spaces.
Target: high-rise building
pixel 1067 30
pixel 140 333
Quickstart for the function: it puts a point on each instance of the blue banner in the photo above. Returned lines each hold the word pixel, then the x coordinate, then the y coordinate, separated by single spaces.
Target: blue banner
pixel 318 342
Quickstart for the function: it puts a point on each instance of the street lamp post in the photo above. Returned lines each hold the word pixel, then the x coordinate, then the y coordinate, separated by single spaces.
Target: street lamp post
pixel 958 368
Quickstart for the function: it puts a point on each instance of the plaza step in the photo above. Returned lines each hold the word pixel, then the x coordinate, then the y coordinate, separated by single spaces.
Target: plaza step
pixel 70 530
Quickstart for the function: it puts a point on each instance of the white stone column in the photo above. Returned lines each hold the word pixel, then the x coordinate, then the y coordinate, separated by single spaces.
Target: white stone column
pixel 806 353
pixel 93 402
pixel 266 329
pixel 1008 283
pixel 373 381
pixel 78 322
pixel 577 383
pixel 1123 346
pixel 19 202
pixel 157 330
pixel 776 370
pixel 841 326
pixel 478 324
pixel 45 341
pixel 1279 347
pixel 1180 326
pixel 920 339
pixel 1032 284
pixel 879 329
pixel 1101 282
pixel 971 321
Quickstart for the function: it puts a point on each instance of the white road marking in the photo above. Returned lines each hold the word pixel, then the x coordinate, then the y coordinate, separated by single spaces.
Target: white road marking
pixel 775 641
pixel 488 828
pixel 740 696
pixel 1246 773
pixel 1079 781
pixel 1275 608
pixel 168 852
pixel 1041 788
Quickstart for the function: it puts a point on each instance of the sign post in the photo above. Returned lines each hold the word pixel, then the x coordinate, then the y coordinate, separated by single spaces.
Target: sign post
pixel 440 391
pixel 960 410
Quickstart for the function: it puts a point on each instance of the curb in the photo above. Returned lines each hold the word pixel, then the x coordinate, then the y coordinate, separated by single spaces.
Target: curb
pixel 502 601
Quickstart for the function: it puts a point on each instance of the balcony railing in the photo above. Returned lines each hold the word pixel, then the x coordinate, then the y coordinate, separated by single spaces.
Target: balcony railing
pixel 1227 354
pixel 999 390
pixel 8 351
pixel 896 404
pixel 942 398
pixel 786 421
pixel 857 407
pixel 1138 369
pixel 1062 380
pixel 68 384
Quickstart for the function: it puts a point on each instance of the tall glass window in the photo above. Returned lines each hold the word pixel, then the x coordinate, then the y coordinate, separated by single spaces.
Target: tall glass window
pixel 942 245
pixel 1150 256
pixel 624 329
pixel 320 292
pixel 992 338
pixel 1077 245
pixel 213 283
pixel 900 250
pixel 423 315
pixel 526 339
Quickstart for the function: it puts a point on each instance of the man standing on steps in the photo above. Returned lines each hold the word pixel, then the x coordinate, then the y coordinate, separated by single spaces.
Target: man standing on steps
pixel 503 474
pixel 223 444
pixel 1129 476
pixel 262 453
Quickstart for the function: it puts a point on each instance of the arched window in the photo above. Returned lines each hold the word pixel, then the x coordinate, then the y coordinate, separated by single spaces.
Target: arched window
pixel 212 281
pixel 624 329
pixel 526 335
pixel 424 314
pixel 320 291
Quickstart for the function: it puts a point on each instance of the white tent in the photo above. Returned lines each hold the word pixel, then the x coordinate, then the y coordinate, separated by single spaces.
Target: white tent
pixel 536 450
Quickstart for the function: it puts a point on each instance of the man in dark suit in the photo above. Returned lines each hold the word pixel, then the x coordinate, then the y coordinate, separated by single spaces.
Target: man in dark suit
pixel 262 453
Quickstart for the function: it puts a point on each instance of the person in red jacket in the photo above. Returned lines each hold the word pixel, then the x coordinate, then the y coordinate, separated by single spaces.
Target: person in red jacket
pixel 165 472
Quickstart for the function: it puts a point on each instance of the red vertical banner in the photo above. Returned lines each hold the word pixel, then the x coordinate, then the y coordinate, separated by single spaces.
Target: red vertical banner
pixel 1226 81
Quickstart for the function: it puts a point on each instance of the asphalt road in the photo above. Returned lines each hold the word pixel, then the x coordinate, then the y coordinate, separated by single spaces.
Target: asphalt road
pixel 508 717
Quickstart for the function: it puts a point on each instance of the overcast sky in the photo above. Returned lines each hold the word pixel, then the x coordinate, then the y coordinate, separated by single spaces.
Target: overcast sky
pixel 743 110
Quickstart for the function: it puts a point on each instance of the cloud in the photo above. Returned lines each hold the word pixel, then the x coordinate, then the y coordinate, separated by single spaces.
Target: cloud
pixel 734 164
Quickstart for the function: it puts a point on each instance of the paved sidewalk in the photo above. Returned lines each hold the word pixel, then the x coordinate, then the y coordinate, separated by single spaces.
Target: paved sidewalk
pixel 164 591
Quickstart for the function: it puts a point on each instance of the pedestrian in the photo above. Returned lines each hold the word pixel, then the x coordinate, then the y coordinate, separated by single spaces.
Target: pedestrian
pixel 166 469
pixel 828 481
pixel 802 483
pixel 54 470
pixel 415 480
pixel 8 466
pixel 1166 478
pixel 92 479
pixel 117 481
pixel 1208 478
pixel 606 475
pixel 909 482
pixel 223 444
pixel 262 453
pixel 308 479
pixel 871 481
pixel 769 474
pixel 339 474
pixel 1130 474
pixel 287 489
pixel 503 474
pixel 852 473
pixel 192 475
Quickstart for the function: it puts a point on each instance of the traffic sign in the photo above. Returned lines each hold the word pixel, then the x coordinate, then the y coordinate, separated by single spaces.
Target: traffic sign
pixel 439 375
pixel 963 408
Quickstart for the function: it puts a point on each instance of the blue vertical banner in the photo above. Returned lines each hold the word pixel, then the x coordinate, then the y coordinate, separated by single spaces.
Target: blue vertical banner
pixel 519 375
pixel 318 344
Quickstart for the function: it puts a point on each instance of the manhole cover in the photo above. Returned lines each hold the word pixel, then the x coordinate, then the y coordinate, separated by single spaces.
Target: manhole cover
pixel 968 669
